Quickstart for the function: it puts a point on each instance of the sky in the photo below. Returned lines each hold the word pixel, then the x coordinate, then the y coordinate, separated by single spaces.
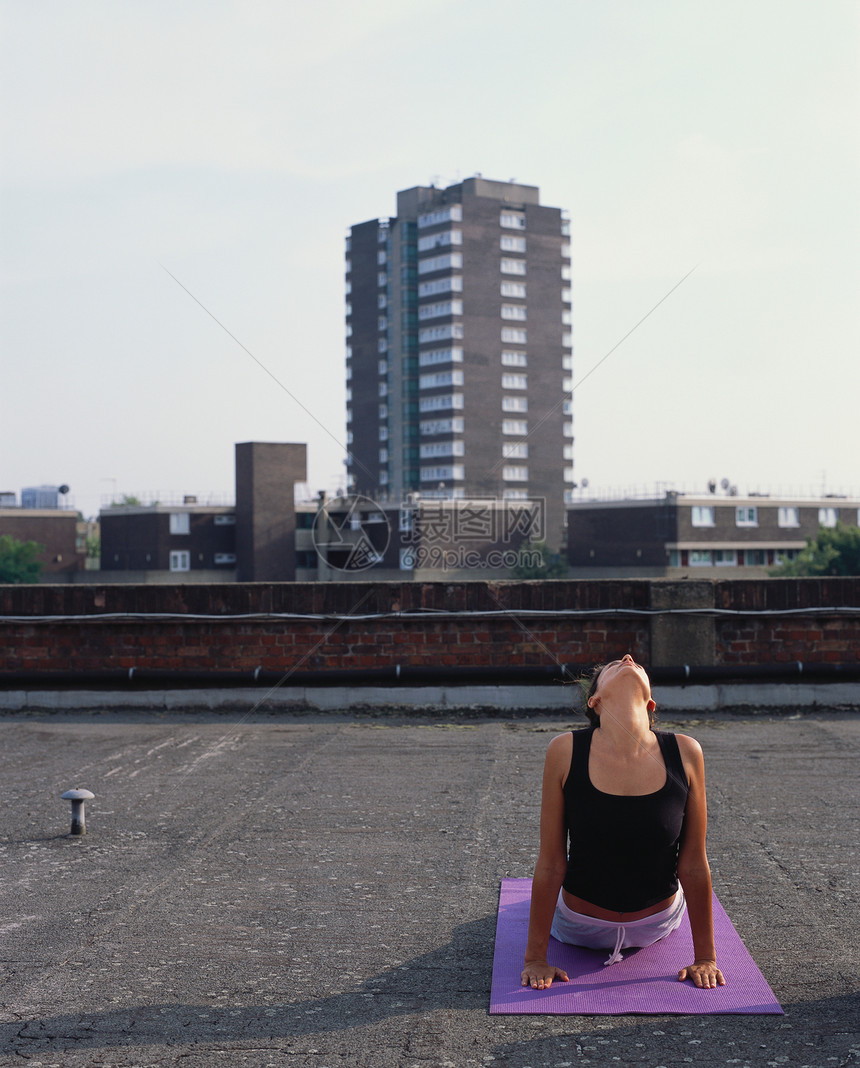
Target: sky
pixel 177 180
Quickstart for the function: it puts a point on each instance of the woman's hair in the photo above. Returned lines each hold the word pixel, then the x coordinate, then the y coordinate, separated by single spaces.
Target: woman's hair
pixel 588 686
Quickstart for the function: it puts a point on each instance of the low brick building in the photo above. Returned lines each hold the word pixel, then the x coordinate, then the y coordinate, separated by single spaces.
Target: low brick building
pixel 55 529
pixel 191 542
pixel 707 536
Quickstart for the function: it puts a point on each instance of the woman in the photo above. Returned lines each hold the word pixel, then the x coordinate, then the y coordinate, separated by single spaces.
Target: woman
pixel 633 802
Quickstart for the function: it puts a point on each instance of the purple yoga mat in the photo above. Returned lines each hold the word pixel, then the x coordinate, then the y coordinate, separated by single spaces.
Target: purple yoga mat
pixel 646 981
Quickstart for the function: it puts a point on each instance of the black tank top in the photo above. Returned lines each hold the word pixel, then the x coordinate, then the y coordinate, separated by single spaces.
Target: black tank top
pixel 623 850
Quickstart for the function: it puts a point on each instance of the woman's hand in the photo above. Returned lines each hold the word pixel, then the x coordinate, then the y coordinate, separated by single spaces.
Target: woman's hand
pixel 539 975
pixel 704 973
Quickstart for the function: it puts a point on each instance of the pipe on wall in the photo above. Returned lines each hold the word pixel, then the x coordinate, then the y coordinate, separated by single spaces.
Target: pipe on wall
pixel 409 675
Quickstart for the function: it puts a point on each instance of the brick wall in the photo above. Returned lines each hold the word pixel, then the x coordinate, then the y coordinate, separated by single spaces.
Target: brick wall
pixel 467 624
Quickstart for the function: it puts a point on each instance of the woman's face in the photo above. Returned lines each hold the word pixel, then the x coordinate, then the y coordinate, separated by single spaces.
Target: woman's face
pixel 619 669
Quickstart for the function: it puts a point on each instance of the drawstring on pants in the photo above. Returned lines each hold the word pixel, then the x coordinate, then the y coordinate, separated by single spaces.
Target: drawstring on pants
pixel 616 953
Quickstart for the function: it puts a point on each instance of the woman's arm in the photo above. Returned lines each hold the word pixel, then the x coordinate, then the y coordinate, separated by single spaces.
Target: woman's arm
pixel 695 873
pixel 550 867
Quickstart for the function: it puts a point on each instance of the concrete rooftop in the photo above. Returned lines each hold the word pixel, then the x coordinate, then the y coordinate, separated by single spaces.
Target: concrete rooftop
pixel 322 890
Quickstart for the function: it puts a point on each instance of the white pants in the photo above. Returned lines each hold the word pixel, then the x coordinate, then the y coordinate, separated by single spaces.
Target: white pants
pixel 592 933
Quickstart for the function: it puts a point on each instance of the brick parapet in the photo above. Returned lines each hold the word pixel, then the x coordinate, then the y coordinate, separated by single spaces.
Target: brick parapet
pixel 380 625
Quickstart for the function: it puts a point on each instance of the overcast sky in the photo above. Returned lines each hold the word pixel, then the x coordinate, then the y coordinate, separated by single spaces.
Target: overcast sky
pixel 233 144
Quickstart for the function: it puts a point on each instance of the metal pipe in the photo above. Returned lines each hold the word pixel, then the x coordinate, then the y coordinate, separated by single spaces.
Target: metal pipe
pixel 78 799
pixel 415 675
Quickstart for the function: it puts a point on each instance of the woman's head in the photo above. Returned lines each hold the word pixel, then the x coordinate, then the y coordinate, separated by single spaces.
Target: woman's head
pixel 605 674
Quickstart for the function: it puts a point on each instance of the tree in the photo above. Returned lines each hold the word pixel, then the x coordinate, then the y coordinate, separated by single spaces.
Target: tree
pixel 18 561
pixel 835 551
pixel 537 562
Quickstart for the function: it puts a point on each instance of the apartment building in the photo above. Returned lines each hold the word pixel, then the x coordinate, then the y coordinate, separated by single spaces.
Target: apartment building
pixel 459 349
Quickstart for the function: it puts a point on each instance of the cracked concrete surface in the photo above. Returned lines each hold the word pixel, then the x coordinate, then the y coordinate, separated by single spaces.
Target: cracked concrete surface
pixel 322 891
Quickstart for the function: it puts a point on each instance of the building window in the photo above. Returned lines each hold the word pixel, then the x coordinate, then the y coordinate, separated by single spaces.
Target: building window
pixel 382 367
pixel 513 289
pixel 445 307
pixel 180 561
pixel 381 257
pixel 382 323
pixel 514 311
pixel 783 556
pixel 828 517
pixel 406 517
pixel 515 381
pixel 515 404
pixel 225 558
pixel 383 389
pixel 514 359
pixel 509 243
pixel 519 427
pixel 515 473
pixel 440 378
pixel 382 301
pixel 434 356
pixel 383 456
pixel 674 558
pixel 383 481
pixel 788 517
pixel 515 495
pixel 452 283
pixel 383 433
pixel 450 261
pixel 436 449
pixel 440 402
pixel 701 558
pixel 746 516
pixel 453 213
pixel 383 411
pixel 440 240
pixel 513 266
pixel 382 279
pixel 449 332
pixel 180 523
pixel 382 345
pixel 454 473
pixel 755 557
pixel 514 336
pixel 703 515
pixel 513 220
pixel 725 557
pixel 443 426
pixel 515 451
